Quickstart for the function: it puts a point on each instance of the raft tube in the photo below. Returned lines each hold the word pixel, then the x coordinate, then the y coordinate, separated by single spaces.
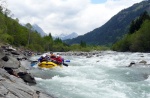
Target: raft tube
pixel 47 64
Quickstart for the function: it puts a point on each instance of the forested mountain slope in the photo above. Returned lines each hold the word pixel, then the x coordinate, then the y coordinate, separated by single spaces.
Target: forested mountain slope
pixel 13 33
pixel 138 38
pixel 115 28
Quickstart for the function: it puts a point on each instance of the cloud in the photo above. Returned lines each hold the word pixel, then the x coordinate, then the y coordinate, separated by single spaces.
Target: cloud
pixel 66 16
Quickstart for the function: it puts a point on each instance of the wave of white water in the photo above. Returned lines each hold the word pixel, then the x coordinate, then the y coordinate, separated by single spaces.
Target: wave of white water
pixel 105 76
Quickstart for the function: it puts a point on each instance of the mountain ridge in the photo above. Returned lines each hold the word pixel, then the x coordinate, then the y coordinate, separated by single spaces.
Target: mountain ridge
pixel 38 29
pixel 67 36
pixel 115 28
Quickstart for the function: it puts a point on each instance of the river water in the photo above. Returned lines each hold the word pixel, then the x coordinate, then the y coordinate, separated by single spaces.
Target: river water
pixel 104 75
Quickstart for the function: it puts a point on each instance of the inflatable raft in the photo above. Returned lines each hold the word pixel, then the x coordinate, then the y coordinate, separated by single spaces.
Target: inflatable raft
pixel 48 64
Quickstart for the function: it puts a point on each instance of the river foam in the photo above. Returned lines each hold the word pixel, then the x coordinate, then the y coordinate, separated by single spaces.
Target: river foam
pixel 103 76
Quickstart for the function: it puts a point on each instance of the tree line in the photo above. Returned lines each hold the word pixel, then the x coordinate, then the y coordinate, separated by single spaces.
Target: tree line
pixel 138 37
pixel 13 33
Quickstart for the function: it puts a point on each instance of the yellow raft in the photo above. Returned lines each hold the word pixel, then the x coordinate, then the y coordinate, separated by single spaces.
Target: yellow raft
pixel 48 64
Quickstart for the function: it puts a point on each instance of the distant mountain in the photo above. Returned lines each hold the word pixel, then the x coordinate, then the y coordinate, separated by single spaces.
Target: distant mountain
pixel 115 28
pixel 65 37
pixel 38 29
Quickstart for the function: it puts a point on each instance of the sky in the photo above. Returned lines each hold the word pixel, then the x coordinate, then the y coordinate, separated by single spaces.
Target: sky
pixel 67 16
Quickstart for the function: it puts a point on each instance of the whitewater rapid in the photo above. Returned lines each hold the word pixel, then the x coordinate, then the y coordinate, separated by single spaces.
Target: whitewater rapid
pixel 104 75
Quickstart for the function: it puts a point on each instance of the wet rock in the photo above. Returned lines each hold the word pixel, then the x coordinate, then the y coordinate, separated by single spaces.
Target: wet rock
pixel 12 86
pixel 21 58
pixel 143 62
pixel 132 63
pixel 27 77
pixel 89 56
pixel 5 58
pixel 9 70
pixel 15 53
pixel 6 75
pixel 145 76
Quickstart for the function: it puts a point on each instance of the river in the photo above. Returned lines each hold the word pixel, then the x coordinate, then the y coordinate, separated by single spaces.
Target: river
pixel 104 75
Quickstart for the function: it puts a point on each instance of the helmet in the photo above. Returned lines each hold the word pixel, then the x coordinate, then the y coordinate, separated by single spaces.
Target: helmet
pixel 57 55
pixel 43 55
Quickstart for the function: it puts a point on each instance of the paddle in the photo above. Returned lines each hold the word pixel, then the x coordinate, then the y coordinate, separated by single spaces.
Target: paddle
pixel 65 64
pixel 67 60
pixel 34 63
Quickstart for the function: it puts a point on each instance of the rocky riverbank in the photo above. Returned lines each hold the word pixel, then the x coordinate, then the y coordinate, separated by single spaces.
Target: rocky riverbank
pixel 15 80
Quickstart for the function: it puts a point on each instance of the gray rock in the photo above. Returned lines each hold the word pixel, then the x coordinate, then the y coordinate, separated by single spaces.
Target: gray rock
pixel 16 79
pixel 3 90
pixel 12 86
pixel 11 63
pixel 1 78
pixel 42 95
pixel 26 64
pixel 20 90
pixel 20 69
pixel 143 62
pixel 15 53
pixel 10 95
pixel 27 77
pixel 5 58
pixel 132 63
pixel 2 54
pixel 4 74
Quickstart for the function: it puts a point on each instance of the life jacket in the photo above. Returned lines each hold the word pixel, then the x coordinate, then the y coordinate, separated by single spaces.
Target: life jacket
pixel 52 56
pixel 41 59
pixel 58 60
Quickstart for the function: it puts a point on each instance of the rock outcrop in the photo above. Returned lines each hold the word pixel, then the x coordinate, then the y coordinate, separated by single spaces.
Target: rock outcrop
pixel 15 81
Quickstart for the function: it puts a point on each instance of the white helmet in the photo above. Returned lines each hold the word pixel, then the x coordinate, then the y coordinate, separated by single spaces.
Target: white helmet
pixel 57 55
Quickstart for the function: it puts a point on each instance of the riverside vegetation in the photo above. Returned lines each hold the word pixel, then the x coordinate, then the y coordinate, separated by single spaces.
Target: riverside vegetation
pixel 11 32
pixel 115 28
pixel 24 36
pixel 138 38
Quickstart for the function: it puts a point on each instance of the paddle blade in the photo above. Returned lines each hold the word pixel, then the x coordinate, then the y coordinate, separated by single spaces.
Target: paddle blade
pixel 65 64
pixel 67 60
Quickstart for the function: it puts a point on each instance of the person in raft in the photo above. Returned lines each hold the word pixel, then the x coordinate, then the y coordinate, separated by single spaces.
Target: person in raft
pixel 56 59
pixel 59 60
pixel 42 58
pixel 52 55
pixel 47 57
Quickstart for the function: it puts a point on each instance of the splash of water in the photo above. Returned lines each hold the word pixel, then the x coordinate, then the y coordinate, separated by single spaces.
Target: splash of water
pixel 105 76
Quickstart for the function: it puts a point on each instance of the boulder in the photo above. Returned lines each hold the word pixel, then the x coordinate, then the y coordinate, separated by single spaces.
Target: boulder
pixel 143 62
pixel 132 63
pixel 15 53
pixel 14 78
pixel 27 77
pixel 5 58
pixel 11 63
